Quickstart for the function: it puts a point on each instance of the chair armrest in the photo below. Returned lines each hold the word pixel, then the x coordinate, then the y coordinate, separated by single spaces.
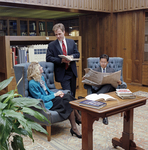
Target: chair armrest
pixel 89 88
pixel 122 86
pixel 64 91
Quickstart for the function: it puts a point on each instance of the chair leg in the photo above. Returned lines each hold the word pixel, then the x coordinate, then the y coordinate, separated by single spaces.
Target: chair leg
pixel 48 128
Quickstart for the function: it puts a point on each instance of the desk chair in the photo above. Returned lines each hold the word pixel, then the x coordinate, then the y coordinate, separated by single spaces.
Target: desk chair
pixel 48 68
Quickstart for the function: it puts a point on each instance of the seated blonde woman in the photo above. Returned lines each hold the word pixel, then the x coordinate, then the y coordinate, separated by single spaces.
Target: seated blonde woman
pixel 54 101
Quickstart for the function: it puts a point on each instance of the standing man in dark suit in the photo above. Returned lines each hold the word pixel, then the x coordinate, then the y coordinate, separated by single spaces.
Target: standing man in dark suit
pixel 65 71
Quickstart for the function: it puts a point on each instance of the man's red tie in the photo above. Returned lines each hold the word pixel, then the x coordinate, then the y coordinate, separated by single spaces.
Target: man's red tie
pixel 64 53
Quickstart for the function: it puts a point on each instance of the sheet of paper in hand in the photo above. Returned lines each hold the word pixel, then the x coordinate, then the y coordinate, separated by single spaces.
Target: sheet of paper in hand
pixel 97 78
pixel 69 58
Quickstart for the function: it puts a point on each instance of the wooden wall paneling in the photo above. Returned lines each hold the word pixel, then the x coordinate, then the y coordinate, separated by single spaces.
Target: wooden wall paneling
pixel 128 50
pixel 59 3
pixel 90 4
pixel 93 35
pixel 115 5
pixel 101 35
pixel 85 4
pixel 39 2
pixel 145 74
pixel 100 5
pixel 142 3
pixel 2 56
pixel 70 3
pixel 18 1
pixel 114 34
pixel 146 3
pixel 7 59
pixel 120 5
pixel 64 3
pixel 81 4
pixel 82 30
pixel 130 4
pixel 26 1
pixel 138 33
pixel 108 34
pixel 136 3
pixel 45 2
pixel 107 5
pixel 3 61
pixel 95 5
pixel 89 36
pixel 98 37
pixel 32 1
pixel 75 4
pixel 52 2
pixel 120 35
pixel 9 1
pixel 121 41
pixel 125 4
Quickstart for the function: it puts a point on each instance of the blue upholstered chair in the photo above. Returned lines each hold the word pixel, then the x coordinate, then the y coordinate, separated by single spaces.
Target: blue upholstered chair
pixel 48 68
pixel 114 62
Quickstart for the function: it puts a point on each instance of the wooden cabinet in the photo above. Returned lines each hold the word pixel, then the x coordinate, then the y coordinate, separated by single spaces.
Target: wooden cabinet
pixel 145 56
pixel 5 66
pixel 24 27
pixel 145 74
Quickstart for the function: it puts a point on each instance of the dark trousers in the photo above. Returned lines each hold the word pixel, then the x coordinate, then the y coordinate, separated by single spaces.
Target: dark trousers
pixel 69 82
pixel 104 89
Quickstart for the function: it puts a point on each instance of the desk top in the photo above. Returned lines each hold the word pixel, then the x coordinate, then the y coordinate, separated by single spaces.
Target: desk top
pixel 112 107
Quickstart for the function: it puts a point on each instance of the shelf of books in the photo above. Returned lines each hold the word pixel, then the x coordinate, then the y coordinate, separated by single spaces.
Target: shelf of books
pixel 22 49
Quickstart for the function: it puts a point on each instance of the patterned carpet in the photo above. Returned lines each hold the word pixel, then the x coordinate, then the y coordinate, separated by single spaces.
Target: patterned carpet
pixel 61 138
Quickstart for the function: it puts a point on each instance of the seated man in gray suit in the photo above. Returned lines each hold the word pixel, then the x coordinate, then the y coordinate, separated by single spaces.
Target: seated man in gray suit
pixel 104 69
pixel 106 87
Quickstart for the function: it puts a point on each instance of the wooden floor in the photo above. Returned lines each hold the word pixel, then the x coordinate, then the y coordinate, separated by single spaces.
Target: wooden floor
pixel 132 87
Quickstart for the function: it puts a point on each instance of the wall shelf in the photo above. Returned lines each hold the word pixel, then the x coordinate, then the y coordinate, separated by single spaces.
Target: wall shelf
pixel 5 66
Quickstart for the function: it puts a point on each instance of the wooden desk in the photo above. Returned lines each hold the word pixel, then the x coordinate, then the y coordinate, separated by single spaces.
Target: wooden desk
pixel 89 115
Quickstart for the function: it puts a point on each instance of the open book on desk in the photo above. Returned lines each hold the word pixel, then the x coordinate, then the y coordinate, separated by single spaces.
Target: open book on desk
pixel 69 58
pixel 100 97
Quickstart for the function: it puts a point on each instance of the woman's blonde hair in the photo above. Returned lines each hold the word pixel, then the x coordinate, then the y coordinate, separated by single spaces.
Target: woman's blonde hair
pixel 33 72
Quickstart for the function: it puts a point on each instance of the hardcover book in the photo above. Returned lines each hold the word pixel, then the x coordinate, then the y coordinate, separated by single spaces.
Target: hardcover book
pixel 125 94
pixel 92 104
pixel 99 97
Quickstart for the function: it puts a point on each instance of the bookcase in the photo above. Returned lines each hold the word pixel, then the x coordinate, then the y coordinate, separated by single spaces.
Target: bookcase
pixel 7 71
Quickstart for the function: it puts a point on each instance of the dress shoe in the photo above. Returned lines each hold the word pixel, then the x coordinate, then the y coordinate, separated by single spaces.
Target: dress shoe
pixel 80 97
pixel 105 121
pixel 77 121
pixel 72 132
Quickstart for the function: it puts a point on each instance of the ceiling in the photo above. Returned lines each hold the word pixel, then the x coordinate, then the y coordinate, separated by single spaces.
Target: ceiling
pixel 7 11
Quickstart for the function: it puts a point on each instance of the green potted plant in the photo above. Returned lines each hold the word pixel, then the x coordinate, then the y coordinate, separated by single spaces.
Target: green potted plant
pixel 13 124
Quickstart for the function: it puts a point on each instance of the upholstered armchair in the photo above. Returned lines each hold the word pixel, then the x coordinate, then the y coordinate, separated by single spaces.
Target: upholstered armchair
pixel 48 68
pixel 114 62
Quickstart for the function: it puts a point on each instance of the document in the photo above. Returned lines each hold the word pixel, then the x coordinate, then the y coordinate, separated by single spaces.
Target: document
pixel 96 78
pixel 69 58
